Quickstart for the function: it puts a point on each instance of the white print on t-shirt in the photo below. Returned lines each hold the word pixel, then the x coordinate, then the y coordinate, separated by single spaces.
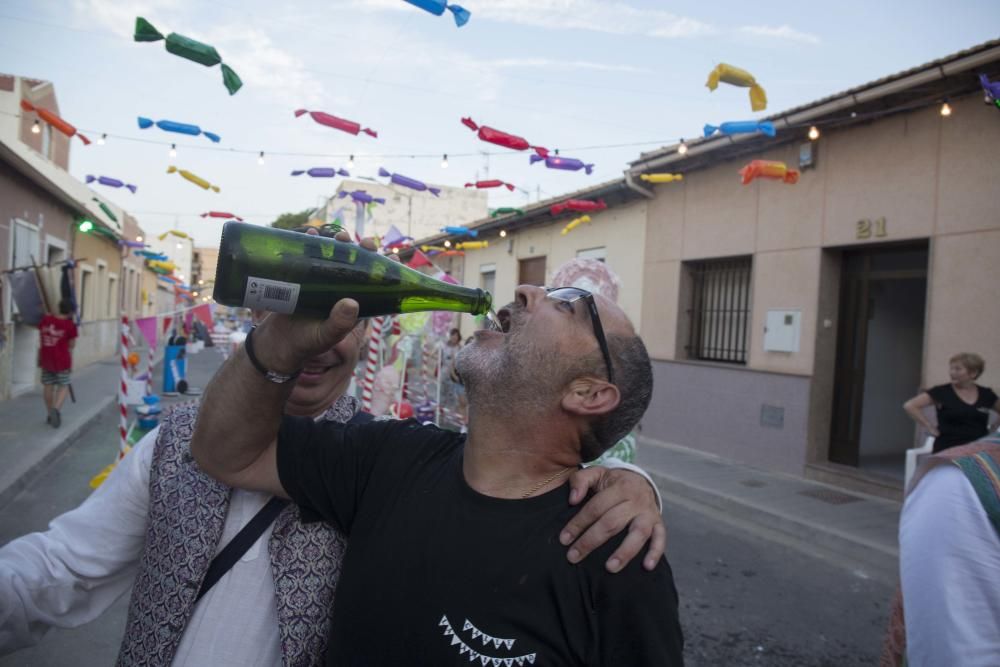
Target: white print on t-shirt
pixel 51 335
pixel 465 649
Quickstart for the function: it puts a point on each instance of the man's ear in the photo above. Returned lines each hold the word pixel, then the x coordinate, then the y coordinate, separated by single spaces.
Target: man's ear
pixel 590 396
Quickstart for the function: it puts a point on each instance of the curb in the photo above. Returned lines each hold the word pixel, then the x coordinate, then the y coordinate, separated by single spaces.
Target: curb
pixel 36 468
pixel 800 533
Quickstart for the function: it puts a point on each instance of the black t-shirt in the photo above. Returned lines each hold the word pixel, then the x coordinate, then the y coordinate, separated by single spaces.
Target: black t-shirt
pixel 958 422
pixel 438 574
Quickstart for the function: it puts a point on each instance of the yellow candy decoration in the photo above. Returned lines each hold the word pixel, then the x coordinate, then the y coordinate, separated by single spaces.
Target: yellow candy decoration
pixel 574 223
pixel 472 245
pixel 194 178
pixel 738 77
pixel 661 178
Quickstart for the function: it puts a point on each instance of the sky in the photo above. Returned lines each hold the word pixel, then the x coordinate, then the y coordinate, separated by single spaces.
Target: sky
pixel 601 81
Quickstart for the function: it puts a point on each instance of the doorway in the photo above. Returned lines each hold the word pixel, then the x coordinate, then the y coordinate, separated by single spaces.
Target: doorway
pixel 531 271
pixel 880 342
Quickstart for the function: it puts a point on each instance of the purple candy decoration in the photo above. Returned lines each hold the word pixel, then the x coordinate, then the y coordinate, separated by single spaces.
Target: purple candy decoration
pixel 408 182
pixel 565 163
pixel 111 182
pixel 321 172
pixel 361 197
pixel 992 88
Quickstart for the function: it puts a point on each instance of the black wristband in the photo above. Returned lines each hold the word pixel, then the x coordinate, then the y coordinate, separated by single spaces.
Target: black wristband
pixel 277 378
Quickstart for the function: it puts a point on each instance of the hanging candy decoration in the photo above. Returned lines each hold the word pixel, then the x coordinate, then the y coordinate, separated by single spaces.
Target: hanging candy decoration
pixel 179 128
pixel 433 248
pixel 738 77
pixel 565 163
pixel 222 214
pixel 173 232
pixel 161 266
pixel 111 182
pixel 193 50
pixel 149 254
pixel 769 169
pixel 661 178
pixel 321 172
pixel 55 121
pixel 495 183
pixel 437 8
pixel 574 223
pixel 408 182
pixel 472 245
pixel 131 244
pixel 197 180
pixel 460 230
pixel 742 127
pixel 336 123
pixel 578 206
pixel 502 138
pixel 453 253
pixel 361 197
pixel 106 209
pixel 992 90
pixel 506 210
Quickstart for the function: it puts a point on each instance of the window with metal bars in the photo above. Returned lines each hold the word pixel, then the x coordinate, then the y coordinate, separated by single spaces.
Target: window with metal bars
pixel 720 309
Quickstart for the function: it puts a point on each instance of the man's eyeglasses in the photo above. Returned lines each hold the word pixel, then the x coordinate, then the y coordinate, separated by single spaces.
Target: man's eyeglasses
pixel 574 294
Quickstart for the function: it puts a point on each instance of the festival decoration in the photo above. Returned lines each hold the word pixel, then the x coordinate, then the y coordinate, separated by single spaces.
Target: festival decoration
pixel 460 230
pixel 222 214
pixel 419 259
pixel 180 128
pixel 408 182
pixel 437 7
pixel 395 239
pixel 504 139
pixel 992 90
pixel 472 245
pixel 565 163
pixel 197 180
pixel 111 182
pixel 742 127
pixel 578 206
pixel 574 223
pixel 735 76
pixel 173 232
pixel 131 244
pixel 336 123
pixel 188 48
pixel 107 210
pixel 769 169
pixel 661 178
pixel 321 172
pixel 55 121
pixel 453 253
pixel 494 183
pixel 149 254
pixel 361 197
pixel 506 210
pixel 433 248
pixel 164 267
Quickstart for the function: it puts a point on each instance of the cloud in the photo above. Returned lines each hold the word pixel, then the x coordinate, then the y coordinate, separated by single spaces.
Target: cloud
pixel 547 63
pixel 780 32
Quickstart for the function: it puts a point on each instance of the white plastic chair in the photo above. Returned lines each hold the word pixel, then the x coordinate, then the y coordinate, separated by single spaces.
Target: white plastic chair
pixel 911 459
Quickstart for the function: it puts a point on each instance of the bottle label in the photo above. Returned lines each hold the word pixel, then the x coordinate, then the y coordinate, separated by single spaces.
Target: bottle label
pixel 273 295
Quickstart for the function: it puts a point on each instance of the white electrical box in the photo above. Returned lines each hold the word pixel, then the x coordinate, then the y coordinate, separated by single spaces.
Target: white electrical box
pixel 782 330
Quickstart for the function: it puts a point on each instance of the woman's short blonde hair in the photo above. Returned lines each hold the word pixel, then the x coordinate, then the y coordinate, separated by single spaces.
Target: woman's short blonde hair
pixel 972 362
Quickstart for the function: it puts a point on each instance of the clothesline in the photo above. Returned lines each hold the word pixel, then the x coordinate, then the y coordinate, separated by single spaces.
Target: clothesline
pixel 46 265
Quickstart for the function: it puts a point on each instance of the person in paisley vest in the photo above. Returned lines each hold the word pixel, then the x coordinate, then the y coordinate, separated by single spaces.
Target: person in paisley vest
pixel 454 540
pixel 158 521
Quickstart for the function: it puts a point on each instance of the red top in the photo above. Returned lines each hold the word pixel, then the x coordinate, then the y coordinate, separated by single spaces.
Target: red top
pixel 56 333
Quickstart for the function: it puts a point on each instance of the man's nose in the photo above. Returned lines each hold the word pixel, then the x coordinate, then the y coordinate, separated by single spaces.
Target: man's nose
pixel 529 295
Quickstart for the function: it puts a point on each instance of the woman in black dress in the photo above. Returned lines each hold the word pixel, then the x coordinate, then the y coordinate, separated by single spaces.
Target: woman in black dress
pixel 963 407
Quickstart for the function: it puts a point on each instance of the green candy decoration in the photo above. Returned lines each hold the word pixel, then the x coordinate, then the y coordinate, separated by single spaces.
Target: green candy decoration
pixel 506 210
pixel 104 207
pixel 188 48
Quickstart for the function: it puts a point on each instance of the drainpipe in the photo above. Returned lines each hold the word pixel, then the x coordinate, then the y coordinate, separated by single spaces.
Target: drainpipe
pixel 635 187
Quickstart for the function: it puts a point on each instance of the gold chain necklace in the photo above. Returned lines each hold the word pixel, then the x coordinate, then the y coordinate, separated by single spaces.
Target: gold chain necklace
pixel 547 480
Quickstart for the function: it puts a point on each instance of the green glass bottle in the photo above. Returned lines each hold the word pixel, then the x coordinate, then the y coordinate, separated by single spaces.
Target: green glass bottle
pixel 290 272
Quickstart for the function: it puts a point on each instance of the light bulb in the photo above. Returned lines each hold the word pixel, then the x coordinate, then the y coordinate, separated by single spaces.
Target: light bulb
pixel 138 238
pixel 945 109
pixel 683 148
pixel 36 128
pixel 503 233
pixel 814 133
pixel 395 251
pixel 350 162
pixel 260 158
pixel 104 137
pixel 444 161
pixel 194 294
pixel 201 282
pixel 179 245
pixel 173 150
pixel 447 244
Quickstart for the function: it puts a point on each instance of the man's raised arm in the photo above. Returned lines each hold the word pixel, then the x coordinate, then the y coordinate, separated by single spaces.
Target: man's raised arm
pixel 235 438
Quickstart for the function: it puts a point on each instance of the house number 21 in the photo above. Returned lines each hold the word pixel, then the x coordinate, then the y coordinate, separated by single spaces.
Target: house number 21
pixel 868 228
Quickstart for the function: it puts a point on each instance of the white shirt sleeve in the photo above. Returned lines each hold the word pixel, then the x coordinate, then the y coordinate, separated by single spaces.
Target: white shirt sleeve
pixel 950 574
pixel 612 463
pixel 71 573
